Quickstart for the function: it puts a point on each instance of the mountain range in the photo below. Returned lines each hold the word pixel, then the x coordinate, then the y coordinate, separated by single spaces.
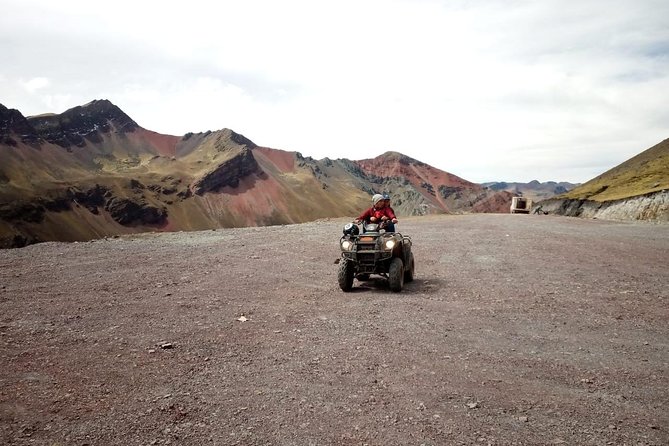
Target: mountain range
pixel 92 172
pixel 534 190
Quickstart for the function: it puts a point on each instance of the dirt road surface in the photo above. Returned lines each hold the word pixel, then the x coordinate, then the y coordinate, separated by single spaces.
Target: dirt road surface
pixel 518 330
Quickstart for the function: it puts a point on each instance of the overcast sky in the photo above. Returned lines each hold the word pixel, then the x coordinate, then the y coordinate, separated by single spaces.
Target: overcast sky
pixel 488 90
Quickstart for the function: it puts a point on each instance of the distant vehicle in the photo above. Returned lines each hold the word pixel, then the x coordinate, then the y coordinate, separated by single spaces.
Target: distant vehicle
pixel 521 205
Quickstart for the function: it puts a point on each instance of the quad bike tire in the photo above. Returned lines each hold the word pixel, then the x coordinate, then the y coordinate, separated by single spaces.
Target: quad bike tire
pixel 345 275
pixel 409 270
pixel 396 275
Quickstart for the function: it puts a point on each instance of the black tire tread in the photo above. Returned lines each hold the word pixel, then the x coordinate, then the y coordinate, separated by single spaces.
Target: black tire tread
pixel 396 275
pixel 345 275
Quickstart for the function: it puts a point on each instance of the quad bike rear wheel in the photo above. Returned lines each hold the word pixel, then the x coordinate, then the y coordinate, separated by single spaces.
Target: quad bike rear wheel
pixel 396 275
pixel 345 275
pixel 409 270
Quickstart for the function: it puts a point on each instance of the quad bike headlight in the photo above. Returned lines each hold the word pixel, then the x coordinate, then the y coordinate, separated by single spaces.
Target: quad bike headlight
pixel 390 244
pixel 346 245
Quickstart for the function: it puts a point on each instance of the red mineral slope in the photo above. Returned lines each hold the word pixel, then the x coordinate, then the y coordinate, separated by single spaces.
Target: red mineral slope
pixel 438 187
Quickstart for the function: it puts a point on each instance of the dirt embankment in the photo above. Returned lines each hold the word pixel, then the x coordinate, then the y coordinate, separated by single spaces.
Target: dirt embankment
pixel 518 330
pixel 653 207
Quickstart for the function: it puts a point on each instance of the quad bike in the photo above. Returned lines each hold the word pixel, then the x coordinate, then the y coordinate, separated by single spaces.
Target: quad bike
pixel 375 251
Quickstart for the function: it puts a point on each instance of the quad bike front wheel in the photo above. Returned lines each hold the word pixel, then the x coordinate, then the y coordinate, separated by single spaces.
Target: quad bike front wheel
pixel 396 275
pixel 346 274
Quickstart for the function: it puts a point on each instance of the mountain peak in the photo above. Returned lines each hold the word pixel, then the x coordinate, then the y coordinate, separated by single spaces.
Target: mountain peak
pixel 101 109
pixel 97 106
pixel 84 122
pixel 12 122
pixel 99 102
pixel 391 158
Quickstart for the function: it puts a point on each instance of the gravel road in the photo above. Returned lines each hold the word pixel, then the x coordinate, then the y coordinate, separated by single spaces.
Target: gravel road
pixel 518 330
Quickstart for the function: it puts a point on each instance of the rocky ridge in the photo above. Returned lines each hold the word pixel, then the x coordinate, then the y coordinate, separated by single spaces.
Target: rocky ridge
pixel 80 124
pixel 14 126
pixel 227 173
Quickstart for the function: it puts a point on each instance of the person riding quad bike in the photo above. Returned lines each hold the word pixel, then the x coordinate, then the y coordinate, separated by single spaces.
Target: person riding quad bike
pixel 379 213
pixel 386 199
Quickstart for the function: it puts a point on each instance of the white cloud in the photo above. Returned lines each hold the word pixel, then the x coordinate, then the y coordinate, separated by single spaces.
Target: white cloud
pixel 34 84
pixel 57 101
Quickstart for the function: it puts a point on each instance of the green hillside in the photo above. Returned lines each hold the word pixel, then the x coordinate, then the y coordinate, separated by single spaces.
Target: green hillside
pixel 647 172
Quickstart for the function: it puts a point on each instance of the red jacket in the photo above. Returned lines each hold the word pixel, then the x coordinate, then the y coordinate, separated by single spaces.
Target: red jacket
pixel 378 213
